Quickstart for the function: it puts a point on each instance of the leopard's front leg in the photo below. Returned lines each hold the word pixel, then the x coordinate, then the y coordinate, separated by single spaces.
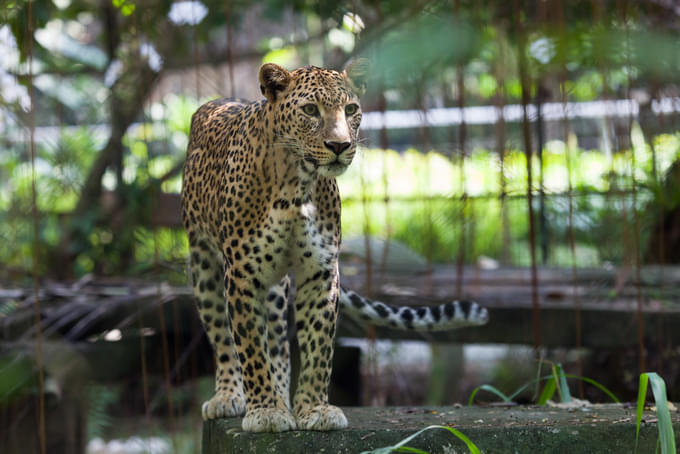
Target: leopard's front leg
pixel 316 310
pixel 266 411
pixel 207 270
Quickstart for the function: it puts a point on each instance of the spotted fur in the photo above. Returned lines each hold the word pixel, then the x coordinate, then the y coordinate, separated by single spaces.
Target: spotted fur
pixel 260 200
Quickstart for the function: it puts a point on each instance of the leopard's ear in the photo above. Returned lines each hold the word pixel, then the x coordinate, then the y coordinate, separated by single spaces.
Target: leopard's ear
pixel 273 80
pixel 357 73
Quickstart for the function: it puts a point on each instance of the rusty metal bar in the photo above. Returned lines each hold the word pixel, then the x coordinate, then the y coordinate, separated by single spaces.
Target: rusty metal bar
pixel 230 55
pixel 36 225
pixel 526 132
pixel 462 135
pixel 572 243
pixel 623 10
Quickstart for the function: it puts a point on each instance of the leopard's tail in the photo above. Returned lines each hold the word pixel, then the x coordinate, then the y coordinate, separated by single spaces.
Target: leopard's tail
pixel 456 314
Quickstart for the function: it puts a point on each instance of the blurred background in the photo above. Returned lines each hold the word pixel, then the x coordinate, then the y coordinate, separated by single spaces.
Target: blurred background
pixel 520 153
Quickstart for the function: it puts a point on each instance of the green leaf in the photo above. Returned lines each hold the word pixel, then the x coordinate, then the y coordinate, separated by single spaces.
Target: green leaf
pixel 400 445
pixel 599 386
pixel 538 378
pixel 520 389
pixel 511 397
pixel 409 449
pixel 561 381
pixel 548 391
pixel 664 425
pixel 462 437
pixel 490 389
pixel 642 393
pixel 127 9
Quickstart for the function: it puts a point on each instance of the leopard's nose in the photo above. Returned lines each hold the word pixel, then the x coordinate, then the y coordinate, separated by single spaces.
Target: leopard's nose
pixel 337 147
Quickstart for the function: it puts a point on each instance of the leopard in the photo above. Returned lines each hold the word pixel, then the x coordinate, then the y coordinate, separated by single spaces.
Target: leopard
pixel 260 204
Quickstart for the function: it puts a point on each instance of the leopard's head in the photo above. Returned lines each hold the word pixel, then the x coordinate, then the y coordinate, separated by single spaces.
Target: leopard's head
pixel 316 112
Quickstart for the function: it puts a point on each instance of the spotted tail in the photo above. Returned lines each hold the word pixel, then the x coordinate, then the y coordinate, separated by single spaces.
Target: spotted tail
pixel 456 314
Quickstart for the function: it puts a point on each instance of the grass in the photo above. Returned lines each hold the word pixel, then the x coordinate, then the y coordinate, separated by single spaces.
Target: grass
pixel 401 445
pixel 665 425
pixel 555 382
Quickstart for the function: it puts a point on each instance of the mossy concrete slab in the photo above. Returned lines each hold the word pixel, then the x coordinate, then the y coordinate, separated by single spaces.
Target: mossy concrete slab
pixel 597 429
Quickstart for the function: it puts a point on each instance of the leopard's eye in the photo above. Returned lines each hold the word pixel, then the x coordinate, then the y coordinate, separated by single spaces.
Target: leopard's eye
pixel 351 109
pixel 311 110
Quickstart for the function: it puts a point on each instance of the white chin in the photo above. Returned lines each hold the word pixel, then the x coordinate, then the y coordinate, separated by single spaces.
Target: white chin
pixel 332 170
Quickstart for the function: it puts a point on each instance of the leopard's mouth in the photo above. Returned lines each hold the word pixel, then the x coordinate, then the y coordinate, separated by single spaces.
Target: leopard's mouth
pixel 334 167
pixel 337 164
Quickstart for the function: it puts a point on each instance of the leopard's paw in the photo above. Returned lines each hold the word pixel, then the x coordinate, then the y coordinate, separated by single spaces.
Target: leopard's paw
pixel 224 405
pixel 321 417
pixel 268 419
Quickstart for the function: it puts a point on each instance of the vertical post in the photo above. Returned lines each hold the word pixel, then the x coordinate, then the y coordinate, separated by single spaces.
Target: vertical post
pixel 367 232
pixel 500 143
pixel 36 225
pixel 637 259
pixel 540 136
pixel 462 132
pixel 142 341
pixel 230 56
pixel 570 195
pixel 662 234
pixel 384 145
pixel 194 49
pixel 526 132
pixel 426 144
pixel 462 137
pixel 372 389
pixel 156 262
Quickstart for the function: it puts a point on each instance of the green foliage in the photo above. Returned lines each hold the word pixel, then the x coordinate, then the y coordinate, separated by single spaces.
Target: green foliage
pixel 284 56
pixel 493 390
pixel 100 398
pixel 7 308
pixel 599 386
pixel 665 425
pixel 487 85
pixel 561 381
pixel 17 14
pixel 555 382
pixel 17 377
pixel 179 110
pixel 548 391
pixel 399 56
pixel 400 446
pixel 426 210
pixel 68 162
pixel 126 7
pixel 76 44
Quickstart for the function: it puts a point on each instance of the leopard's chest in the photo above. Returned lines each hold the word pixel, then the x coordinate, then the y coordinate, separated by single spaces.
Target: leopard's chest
pixel 303 238
pixel 277 218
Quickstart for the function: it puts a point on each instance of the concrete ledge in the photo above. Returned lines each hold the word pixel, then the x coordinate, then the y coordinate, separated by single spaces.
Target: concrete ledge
pixel 598 429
